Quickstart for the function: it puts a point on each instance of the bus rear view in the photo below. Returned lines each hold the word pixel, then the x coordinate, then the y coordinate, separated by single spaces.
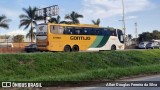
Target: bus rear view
pixel 41 37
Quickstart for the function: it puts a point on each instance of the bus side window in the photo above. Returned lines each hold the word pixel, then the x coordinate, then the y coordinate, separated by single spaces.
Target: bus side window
pixel 113 32
pixel 77 31
pixel 61 30
pixel 65 30
pixel 97 31
pixel 85 31
pixel 92 31
pixel 72 30
pixel 52 29
pixel 100 31
pixel 68 30
pixel 56 29
pixel 106 32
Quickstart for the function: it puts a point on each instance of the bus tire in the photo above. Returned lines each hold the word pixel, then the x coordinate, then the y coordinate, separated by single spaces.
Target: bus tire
pixel 113 47
pixel 67 48
pixel 75 48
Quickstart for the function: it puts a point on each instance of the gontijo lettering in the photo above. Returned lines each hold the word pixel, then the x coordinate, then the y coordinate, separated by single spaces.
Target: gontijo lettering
pixel 79 38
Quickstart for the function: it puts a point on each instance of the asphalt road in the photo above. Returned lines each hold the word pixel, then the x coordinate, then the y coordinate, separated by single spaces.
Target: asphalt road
pixel 147 79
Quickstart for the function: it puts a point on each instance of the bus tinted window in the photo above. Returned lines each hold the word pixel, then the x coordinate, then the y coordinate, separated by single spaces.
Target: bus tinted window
pixel 68 30
pixel 86 31
pixel 77 31
pixel 96 31
pixel 106 32
pixel 92 32
pixel 113 32
pixel 89 31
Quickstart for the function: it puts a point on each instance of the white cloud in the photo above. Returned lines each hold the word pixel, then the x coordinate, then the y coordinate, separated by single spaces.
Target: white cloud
pixel 20 1
pixel 17 32
pixel 131 17
pixel 102 9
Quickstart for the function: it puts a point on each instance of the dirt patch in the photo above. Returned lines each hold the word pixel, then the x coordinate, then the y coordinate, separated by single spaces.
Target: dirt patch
pixel 17 48
pixel 11 50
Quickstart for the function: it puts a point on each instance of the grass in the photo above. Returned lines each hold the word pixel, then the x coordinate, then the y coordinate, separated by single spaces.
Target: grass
pixel 60 66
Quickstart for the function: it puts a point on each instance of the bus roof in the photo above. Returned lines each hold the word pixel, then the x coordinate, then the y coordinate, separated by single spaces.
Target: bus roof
pixel 75 25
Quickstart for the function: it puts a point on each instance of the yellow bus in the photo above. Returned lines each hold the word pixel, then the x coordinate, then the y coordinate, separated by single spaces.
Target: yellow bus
pixel 77 37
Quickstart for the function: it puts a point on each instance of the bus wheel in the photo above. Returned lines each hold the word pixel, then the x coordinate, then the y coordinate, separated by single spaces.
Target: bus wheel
pixel 75 48
pixel 113 47
pixel 67 48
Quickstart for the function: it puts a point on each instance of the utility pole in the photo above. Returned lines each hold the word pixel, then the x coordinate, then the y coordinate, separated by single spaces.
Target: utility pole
pixel 136 34
pixel 124 26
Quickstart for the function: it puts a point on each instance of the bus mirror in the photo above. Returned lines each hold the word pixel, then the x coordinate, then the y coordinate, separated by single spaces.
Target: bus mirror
pixel 122 39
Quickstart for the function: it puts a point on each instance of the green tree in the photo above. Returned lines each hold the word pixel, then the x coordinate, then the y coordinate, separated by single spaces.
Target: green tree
pixel 56 20
pixel 29 20
pixel 18 38
pixel 156 34
pixel 145 36
pixel 31 35
pixel 4 22
pixel 74 17
pixel 97 22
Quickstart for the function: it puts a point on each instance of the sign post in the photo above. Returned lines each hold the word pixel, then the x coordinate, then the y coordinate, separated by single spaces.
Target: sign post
pixel 48 11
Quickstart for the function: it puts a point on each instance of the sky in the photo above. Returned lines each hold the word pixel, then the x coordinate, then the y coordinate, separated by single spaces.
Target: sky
pixel 145 12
